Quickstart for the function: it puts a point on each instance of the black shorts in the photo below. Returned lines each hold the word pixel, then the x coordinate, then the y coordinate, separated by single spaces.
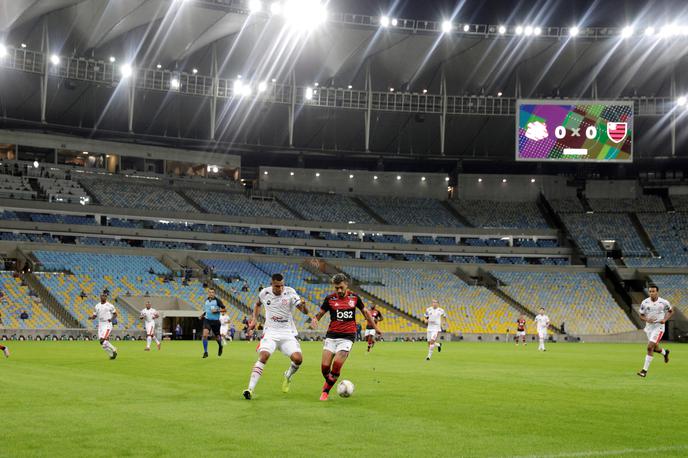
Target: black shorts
pixel 212 325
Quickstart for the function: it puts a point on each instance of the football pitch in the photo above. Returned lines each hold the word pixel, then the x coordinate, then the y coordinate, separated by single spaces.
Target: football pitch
pixel 472 399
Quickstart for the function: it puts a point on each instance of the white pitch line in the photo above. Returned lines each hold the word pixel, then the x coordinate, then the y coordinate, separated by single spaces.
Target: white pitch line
pixel 609 452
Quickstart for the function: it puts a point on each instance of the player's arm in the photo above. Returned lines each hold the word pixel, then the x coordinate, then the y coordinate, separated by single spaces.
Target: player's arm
pixel 379 316
pixel 253 322
pixel 304 309
pixel 114 314
pixel 219 305
pixel 668 314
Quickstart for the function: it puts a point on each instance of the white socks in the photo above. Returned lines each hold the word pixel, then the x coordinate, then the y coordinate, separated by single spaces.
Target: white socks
pixel 431 348
pixel 542 344
pixel 148 341
pixel 255 375
pixel 108 347
pixel 292 370
pixel 648 360
pixel 663 352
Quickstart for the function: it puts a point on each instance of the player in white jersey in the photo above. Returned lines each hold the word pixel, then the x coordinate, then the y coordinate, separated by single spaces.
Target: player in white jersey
pixel 105 312
pixel 279 331
pixel 655 312
pixel 434 315
pixel 149 315
pixel 224 326
pixel 542 322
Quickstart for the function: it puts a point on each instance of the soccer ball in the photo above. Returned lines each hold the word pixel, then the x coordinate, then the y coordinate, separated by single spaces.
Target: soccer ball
pixel 345 388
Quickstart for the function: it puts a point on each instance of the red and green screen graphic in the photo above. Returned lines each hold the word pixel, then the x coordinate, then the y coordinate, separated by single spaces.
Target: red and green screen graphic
pixel 574 131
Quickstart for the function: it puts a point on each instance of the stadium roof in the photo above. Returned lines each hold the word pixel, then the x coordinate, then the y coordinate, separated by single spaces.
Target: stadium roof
pixel 181 36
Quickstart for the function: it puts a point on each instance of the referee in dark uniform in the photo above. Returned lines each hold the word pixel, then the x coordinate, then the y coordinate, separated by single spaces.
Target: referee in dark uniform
pixel 211 321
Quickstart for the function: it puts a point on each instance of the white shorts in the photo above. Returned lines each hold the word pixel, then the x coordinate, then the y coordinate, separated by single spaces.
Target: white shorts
pixel 369 332
pixel 433 334
pixel 285 344
pixel 654 334
pixel 337 345
pixel 542 333
pixel 150 328
pixel 520 333
pixel 224 330
pixel 104 330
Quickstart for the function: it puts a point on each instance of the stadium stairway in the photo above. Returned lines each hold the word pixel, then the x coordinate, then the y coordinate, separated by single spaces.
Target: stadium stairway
pixel 51 302
pixel 85 184
pixel 190 201
pixel 455 213
pixel 171 264
pixel 296 214
pixel 491 283
pixel 369 210
pixel 615 285
pixel 367 297
pixel 644 236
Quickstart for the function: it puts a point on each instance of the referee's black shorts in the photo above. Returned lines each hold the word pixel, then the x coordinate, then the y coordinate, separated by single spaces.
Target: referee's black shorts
pixel 212 325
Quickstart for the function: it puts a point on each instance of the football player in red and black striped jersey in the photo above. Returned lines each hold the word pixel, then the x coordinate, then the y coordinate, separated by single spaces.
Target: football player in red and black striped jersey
pixel 341 333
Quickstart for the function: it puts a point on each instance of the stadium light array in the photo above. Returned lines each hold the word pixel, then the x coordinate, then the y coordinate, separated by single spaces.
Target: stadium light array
pixel 262 86
pixel 422 178
pixel 391 89
pixel 274 80
pixel 519 30
pixel 480 180
pixel 384 21
pixel 349 86
pixel 499 94
pixel 3 51
pixel 395 22
pixel 174 84
pixel 255 6
pixel 35 164
pixel 317 174
pixel 265 173
pixel 159 66
pixel 574 31
pixel 275 8
pixel 241 89
pixel 375 177
pixel 126 70
pixel 291 174
pixel 466 27
pixel 649 31
pixel 528 31
pixel 626 31
pixel 537 31
pixel 351 176
pixel 194 71
pixel 398 177
pixel 309 93
pixel 55 59
pixel 425 91
pixel 215 169
pixel 23 45
pixel 502 30
pixel 532 180
pixel 112 59
pixel 503 180
pixel 446 26
pixel 304 15
pixel 446 178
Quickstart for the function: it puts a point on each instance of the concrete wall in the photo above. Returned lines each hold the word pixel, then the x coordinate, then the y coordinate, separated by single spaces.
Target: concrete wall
pixel 362 183
pixel 122 149
pixel 598 189
pixel 517 188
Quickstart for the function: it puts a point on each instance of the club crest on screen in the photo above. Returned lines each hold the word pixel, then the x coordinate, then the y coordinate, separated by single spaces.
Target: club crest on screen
pixel 616 131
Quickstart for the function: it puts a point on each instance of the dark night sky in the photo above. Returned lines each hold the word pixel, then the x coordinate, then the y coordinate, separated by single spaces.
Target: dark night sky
pixel 538 12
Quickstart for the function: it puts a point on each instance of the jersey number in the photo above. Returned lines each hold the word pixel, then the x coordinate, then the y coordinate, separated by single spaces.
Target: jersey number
pixel 345 315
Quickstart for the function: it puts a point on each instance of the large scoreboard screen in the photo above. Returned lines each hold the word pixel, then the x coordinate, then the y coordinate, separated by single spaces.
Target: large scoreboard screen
pixel 576 131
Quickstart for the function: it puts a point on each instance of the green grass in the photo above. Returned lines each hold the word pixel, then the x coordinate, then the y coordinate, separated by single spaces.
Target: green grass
pixel 488 399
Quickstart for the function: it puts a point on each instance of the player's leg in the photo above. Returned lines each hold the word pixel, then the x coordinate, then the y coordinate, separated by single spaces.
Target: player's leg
pixel 648 358
pixel 206 332
pixel 370 339
pixel 5 350
pixel 658 349
pixel 431 336
pixel 149 337
pixel 524 339
pixel 329 350
pixel 266 347
pixel 292 349
pixel 155 336
pixel 331 378
pixel 218 337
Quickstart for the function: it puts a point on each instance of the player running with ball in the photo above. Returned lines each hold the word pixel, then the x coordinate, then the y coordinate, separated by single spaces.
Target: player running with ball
pixel 279 332
pixel 341 333
pixel 655 312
